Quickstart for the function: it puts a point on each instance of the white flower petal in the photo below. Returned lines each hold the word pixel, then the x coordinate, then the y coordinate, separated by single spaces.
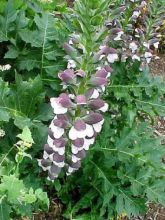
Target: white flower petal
pixel 133 47
pixel 81 134
pixel 45 155
pixel 73 133
pixel 97 127
pixel 57 132
pixel 51 157
pixel 101 57
pixel 104 108
pixel 88 142
pixel 156 45
pixel 50 179
pixel 148 60
pixel 61 164
pixel 57 107
pixel 71 64
pixel 108 75
pixel 50 142
pixel 148 55
pixel 102 122
pixel 75 159
pixel 103 88
pixel 95 94
pixel 74 149
pixel 45 168
pixel 112 57
pixel 71 170
pixel 60 150
pixel 135 57
pixel 118 36
pixel 89 130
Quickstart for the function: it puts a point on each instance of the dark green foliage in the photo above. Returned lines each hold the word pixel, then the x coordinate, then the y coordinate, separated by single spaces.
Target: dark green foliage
pixel 32 41
pixel 124 169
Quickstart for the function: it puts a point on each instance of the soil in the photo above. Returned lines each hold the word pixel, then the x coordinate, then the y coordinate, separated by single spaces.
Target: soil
pixel 158 66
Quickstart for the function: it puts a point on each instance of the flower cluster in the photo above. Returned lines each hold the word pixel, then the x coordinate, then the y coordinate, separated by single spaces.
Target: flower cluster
pixel 134 42
pixel 77 121
pixel 2 133
pixel 5 67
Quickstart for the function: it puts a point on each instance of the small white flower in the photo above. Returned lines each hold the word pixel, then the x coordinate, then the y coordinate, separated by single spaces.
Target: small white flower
pixel 50 141
pixel 57 107
pixel 71 64
pixel 136 14
pixel 133 46
pixel 5 67
pixel 2 133
pixel 156 45
pixel 72 96
pixel 89 130
pixel 75 149
pixel 95 94
pixel 145 44
pixel 57 132
pixel 75 159
pixel 119 34
pixel 101 57
pixel 99 68
pixel 143 3
pixel 44 168
pixel 48 178
pixel 148 56
pixel 88 142
pixel 60 164
pixel 135 57
pixel 59 150
pixel 50 157
pixel 109 74
pixel 98 126
pixel 45 155
pixel 70 170
pixel 70 42
pixel 104 108
pixel 112 57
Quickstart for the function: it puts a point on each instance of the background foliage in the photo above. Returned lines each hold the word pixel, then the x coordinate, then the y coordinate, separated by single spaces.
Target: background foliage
pixel 124 169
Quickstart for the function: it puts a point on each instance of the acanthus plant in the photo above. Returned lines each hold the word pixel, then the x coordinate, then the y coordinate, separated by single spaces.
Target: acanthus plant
pixel 78 118
pixel 140 39
pixel 79 108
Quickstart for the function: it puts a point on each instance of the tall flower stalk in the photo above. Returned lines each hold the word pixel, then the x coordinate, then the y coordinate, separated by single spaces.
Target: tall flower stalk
pixel 91 50
pixel 78 119
pixel 78 111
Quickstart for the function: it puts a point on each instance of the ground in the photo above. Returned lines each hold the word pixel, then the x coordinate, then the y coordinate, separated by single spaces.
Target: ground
pixel 158 66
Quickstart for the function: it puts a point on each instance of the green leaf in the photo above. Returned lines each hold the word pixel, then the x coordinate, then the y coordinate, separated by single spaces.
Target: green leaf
pixel 6 21
pixel 30 197
pixel 4 115
pixel 57 185
pixel 26 135
pixel 12 53
pixel 45 113
pixel 120 204
pixel 42 197
pixel 5 210
pixel 13 187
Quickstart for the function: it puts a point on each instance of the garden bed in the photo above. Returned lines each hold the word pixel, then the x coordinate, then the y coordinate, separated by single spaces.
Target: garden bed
pixel 76 95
